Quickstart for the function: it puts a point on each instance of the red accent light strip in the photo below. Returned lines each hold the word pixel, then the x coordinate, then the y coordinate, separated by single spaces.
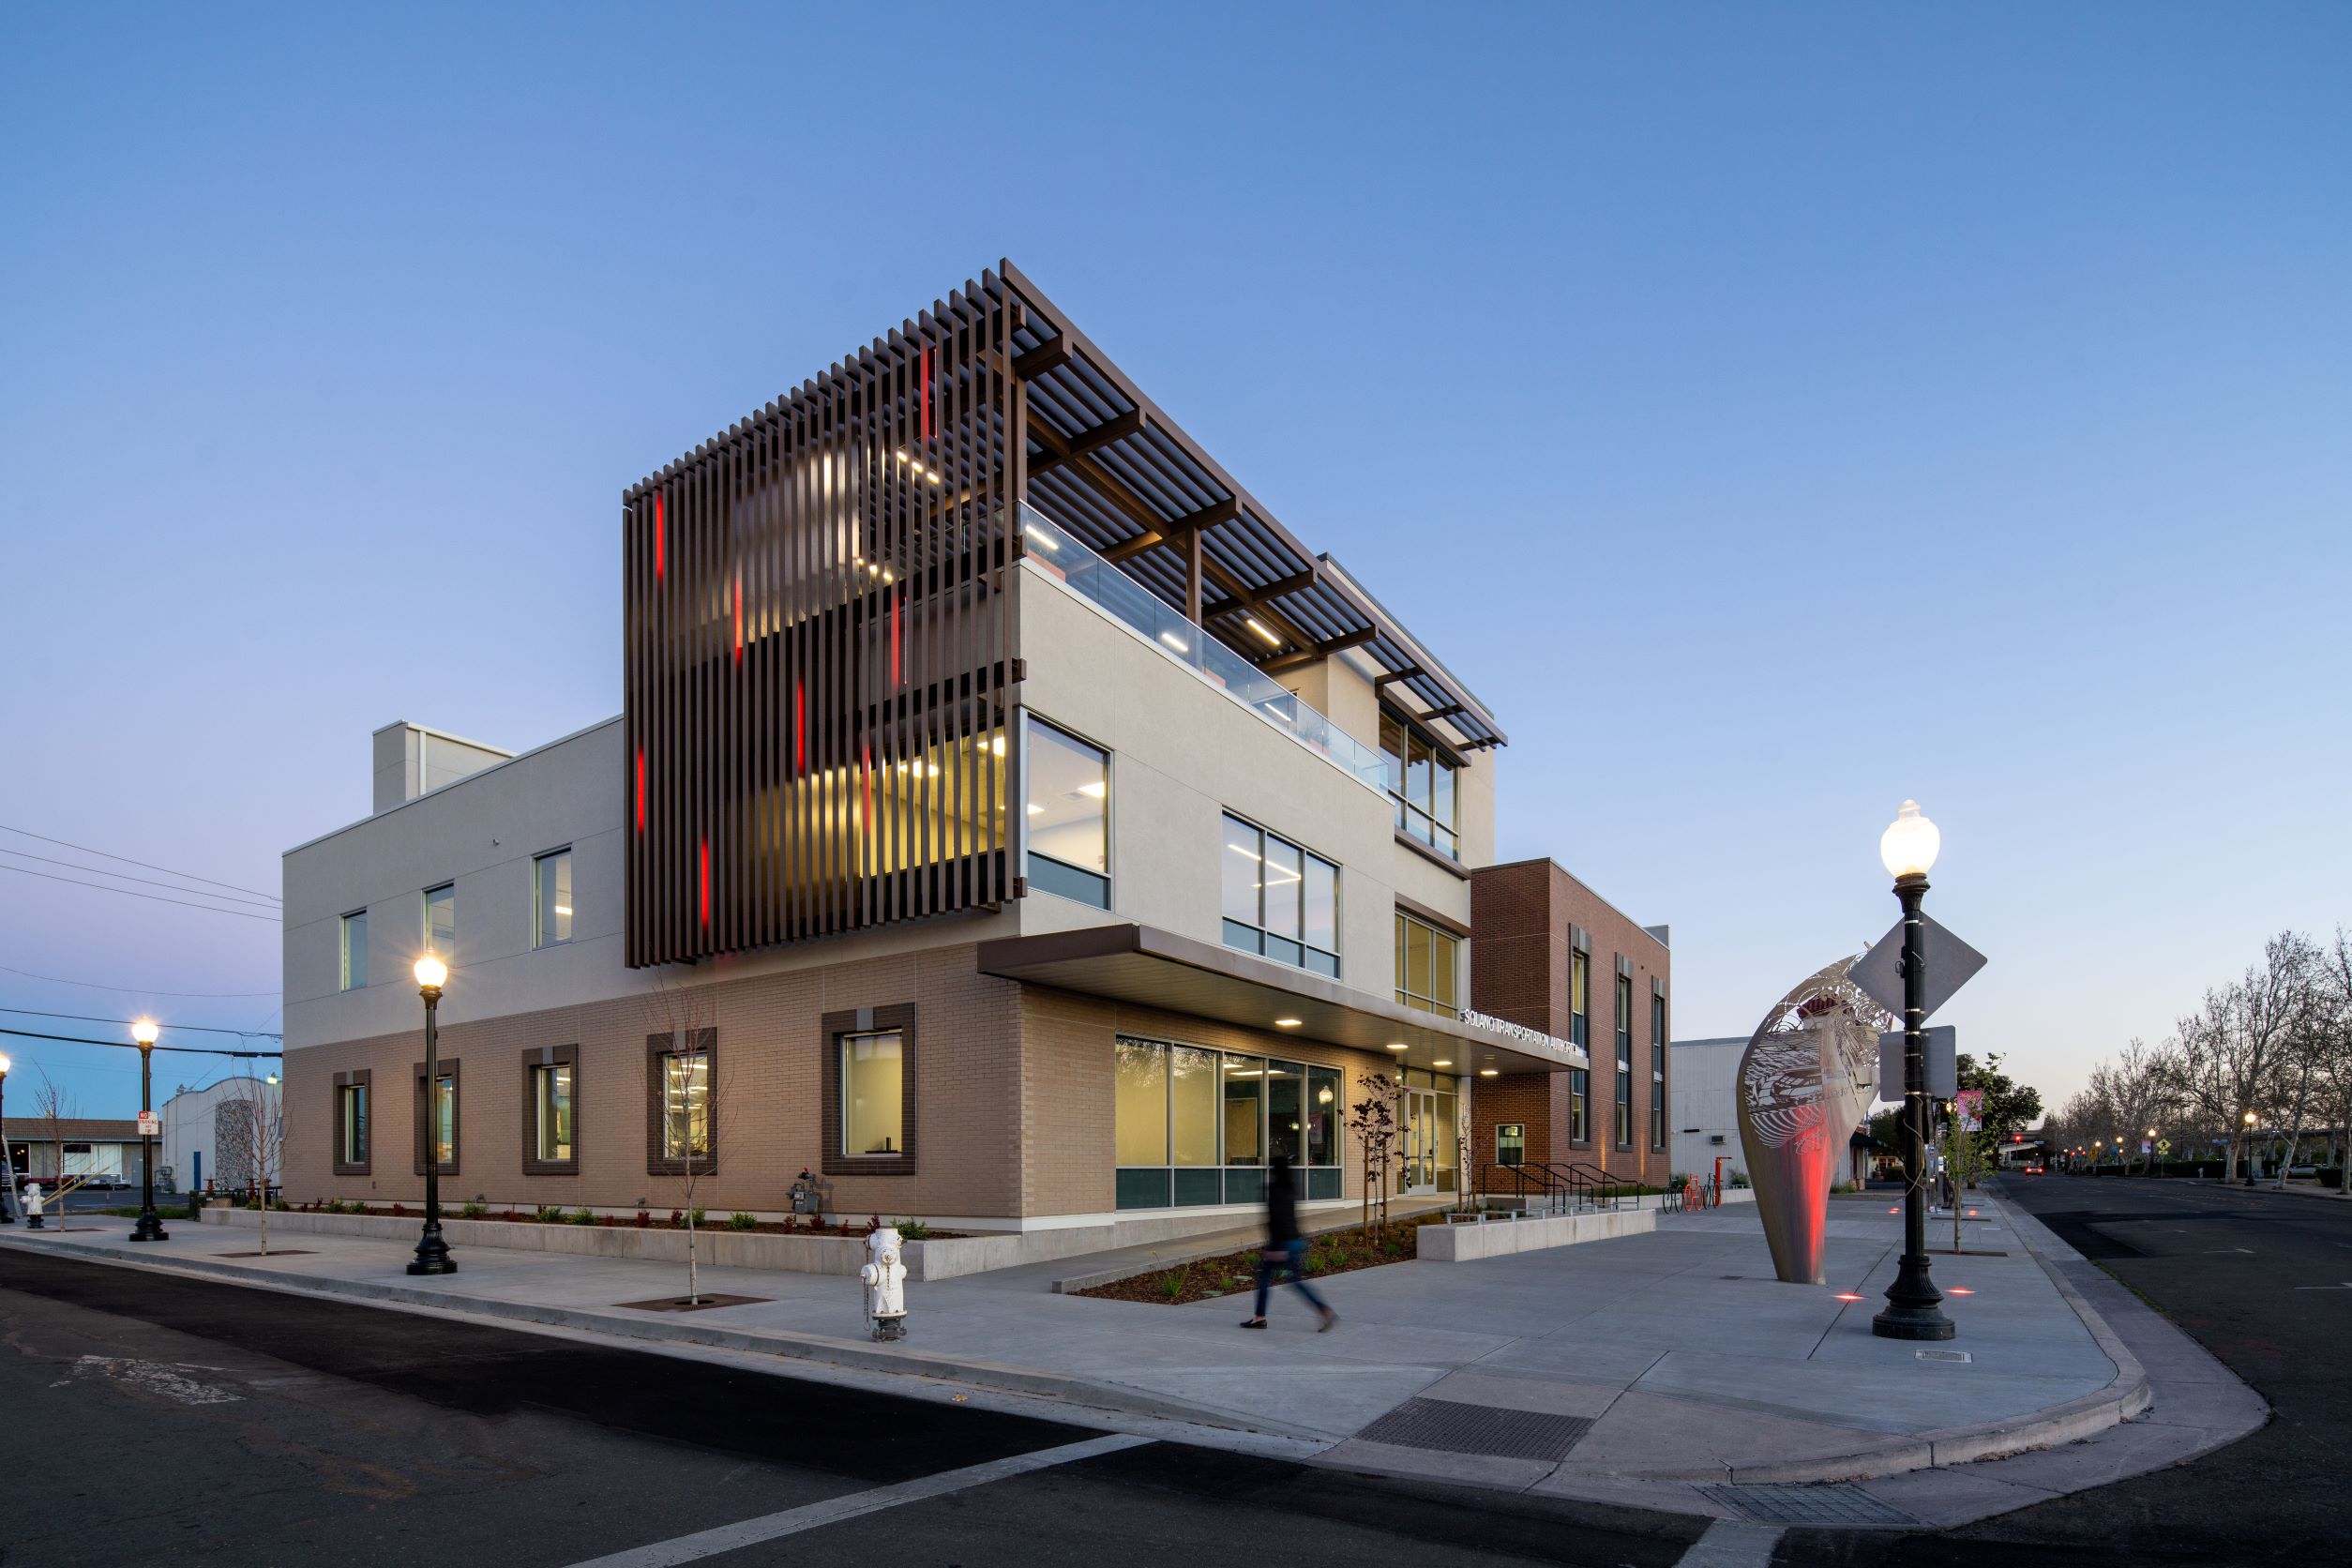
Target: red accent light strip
pixel 706 882
pixel 739 616
pixel 898 640
pixel 657 533
pixel 641 788
pixel 800 728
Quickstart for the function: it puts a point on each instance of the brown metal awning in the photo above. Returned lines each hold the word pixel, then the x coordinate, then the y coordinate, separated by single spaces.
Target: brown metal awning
pixel 1153 968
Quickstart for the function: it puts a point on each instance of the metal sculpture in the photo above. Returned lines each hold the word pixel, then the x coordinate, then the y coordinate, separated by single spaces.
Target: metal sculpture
pixel 1805 1081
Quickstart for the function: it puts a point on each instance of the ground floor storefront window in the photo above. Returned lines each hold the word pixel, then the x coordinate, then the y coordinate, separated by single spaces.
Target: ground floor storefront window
pixel 1195 1127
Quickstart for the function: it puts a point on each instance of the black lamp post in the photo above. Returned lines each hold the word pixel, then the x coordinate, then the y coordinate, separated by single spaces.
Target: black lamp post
pixel 433 1252
pixel 150 1228
pixel 2250 1153
pixel 1914 1305
pixel 8 1165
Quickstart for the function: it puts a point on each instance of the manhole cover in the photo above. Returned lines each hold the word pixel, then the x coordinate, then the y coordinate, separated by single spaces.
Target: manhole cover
pixel 1943 1355
pixel 1831 1503
pixel 1450 1427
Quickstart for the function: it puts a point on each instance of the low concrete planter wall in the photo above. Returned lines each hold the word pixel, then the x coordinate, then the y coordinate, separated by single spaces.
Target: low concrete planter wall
pixel 717 1246
pixel 1460 1243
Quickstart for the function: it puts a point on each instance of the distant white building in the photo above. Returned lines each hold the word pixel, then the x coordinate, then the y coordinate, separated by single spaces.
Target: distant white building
pixel 209 1133
pixel 1706 1108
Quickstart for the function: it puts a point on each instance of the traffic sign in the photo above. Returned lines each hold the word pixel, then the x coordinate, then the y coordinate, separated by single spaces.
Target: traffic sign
pixel 1942 1050
pixel 150 1124
pixel 1951 964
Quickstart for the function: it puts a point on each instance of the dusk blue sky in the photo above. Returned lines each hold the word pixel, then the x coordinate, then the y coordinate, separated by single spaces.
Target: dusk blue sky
pixel 1771 412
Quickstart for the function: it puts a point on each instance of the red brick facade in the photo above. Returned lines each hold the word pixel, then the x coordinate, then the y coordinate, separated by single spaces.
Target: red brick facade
pixel 1525 919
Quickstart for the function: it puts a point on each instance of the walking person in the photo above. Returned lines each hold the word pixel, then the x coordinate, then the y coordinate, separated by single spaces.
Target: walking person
pixel 1285 1249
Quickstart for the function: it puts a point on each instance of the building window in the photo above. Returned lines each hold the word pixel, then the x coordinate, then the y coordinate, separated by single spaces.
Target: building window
pixel 1280 900
pixel 1579 1101
pixel 441 922
pixel 351 1124
pixel 1580 999
pixel 686 1104
pixel 1426 959
pixel 1657 1069
pixel 551 1114
pixel 1420 785
pixel 437 1125
pixel 1625 1061
pixel 355 950
pixel 1194 1128
pixel 552 899
pixel 1069 816
pixel 873 1092
pixel 1510 1143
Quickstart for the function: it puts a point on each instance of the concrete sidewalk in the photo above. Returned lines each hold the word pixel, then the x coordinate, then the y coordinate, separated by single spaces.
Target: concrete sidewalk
pixel 1643 1369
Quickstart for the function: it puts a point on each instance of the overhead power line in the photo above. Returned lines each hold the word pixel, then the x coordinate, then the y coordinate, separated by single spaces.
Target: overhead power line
pixel 104 855
pixel 125 876
pixel 137 990
pixel 198 1028
pixel 126 1044
pixel 128 893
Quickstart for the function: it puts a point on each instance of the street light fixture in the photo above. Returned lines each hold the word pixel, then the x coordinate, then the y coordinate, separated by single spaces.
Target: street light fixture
pixel 7 1167
pixel 1913 1310
pixel 2152 1152
pixel 433 1252
pixel 2249 1154
pixel 150 1228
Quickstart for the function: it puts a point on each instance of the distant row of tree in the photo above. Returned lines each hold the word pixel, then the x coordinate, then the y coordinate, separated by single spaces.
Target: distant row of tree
pixel 2275 1044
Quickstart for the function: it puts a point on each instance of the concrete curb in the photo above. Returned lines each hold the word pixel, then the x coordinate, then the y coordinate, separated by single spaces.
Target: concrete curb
pixel 1004 1376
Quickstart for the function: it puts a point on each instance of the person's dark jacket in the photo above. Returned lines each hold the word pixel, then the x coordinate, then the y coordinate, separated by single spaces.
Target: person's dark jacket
pixel 1282 1212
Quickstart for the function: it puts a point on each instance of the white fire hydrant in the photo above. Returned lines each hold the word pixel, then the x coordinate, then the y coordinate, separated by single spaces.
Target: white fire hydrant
pixel 885 1280
pixel 33 1206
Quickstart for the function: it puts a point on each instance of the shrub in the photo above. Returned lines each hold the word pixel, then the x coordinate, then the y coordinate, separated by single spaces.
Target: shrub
pixel 399 1211
pixel 677 1217
pixel 741 1221
pixel 644 1219
pixel 1172 1283
pixel 583 1216
pixel 1739 1177
pixel 697 1217
pixel 473 1209
pixel 914 1231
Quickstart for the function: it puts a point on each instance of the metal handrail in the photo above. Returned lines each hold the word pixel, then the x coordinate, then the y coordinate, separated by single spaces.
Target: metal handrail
pixel 1589 1183
pixel 1543 1177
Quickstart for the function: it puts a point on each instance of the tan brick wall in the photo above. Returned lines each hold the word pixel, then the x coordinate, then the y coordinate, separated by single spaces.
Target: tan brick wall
pixel 1519 960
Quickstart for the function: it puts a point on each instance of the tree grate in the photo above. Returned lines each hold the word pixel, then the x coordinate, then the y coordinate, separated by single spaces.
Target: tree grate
pixel 1825 1504
pixel 1450 1427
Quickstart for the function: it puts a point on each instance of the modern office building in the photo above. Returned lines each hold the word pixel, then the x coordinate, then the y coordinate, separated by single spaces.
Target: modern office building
pixel 1010 822
pixel 1551 954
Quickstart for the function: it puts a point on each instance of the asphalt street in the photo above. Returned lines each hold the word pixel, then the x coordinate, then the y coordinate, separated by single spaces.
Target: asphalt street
pixel 2264 1283
pixel 150 1417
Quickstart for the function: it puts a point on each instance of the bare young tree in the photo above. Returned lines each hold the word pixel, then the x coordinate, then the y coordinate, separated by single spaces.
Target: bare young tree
pixel 694 1098
pixel 249 1132
pixel 2333 1024
pixel 52 1107
pixel 1372 1123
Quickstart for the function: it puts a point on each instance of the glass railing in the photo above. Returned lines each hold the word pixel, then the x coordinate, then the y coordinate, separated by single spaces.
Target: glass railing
pixel 1062 554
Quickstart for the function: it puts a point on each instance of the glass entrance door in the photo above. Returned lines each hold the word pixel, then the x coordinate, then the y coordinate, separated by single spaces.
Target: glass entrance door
pixel 1422 1136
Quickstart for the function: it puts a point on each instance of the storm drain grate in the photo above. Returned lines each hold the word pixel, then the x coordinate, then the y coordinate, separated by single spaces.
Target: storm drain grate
pixel 1829 1503
pixel 1450 1427
pixel 1944 1355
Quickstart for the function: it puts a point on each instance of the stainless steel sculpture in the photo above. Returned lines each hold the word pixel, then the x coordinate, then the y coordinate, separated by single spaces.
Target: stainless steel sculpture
pixel 1805 1081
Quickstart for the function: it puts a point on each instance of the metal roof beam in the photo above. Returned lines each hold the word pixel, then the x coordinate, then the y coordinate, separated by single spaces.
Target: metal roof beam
pixel 1046 357
pixel 1316 653
pixel 1158 534
pixel 1411 671
pixel 1060 449
pixel 1295 582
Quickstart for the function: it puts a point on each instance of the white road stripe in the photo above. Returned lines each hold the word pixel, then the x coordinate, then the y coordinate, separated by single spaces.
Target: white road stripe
pixel 1732 1544
pixel 750 1532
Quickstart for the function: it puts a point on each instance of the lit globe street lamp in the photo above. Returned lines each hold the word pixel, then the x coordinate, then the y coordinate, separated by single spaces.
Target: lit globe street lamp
pixel 8 1170
pixel 433 1252
pixel 149 1228
pixel 2250 1153
pixel 1914 1305
pixel 2151 1153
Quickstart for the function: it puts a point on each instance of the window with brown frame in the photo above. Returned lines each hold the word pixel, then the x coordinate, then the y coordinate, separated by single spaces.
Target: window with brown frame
pixel 443 1123
pixel 681 1104
pixel 870 1119
pixel 551 1101
pixel 350 1123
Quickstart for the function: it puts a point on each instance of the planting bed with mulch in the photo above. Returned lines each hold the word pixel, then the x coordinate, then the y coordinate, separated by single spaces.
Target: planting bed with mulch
pixel 641 1220
pixel 1336 1252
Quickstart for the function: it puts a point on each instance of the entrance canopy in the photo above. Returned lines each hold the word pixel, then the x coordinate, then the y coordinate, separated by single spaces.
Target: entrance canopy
pixel 1154 968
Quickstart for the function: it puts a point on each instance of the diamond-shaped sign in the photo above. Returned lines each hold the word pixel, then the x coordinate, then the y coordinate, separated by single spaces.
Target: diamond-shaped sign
pixel 1951 964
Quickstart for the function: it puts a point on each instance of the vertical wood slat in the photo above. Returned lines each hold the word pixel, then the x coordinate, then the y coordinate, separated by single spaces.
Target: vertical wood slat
pixel 771 514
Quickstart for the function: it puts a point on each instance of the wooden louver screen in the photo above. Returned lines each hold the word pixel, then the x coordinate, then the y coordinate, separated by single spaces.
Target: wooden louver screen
pixel 819 648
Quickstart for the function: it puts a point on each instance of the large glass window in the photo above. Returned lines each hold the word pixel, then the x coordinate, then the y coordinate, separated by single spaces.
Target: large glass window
pixel 1427 961
pixel 1580 1100
pixel 686 1104
pixel 441 922
pixel 351 1121
pixel 1579 1000
pixel 551 1112
pixel 1279 899
pixel 445 1121
pixel 1195 1127
pixel 1510 1143
pixel 552 890
pixel 873 1094
pixel 1069 816
pixel 1420 785
pixel 355 950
